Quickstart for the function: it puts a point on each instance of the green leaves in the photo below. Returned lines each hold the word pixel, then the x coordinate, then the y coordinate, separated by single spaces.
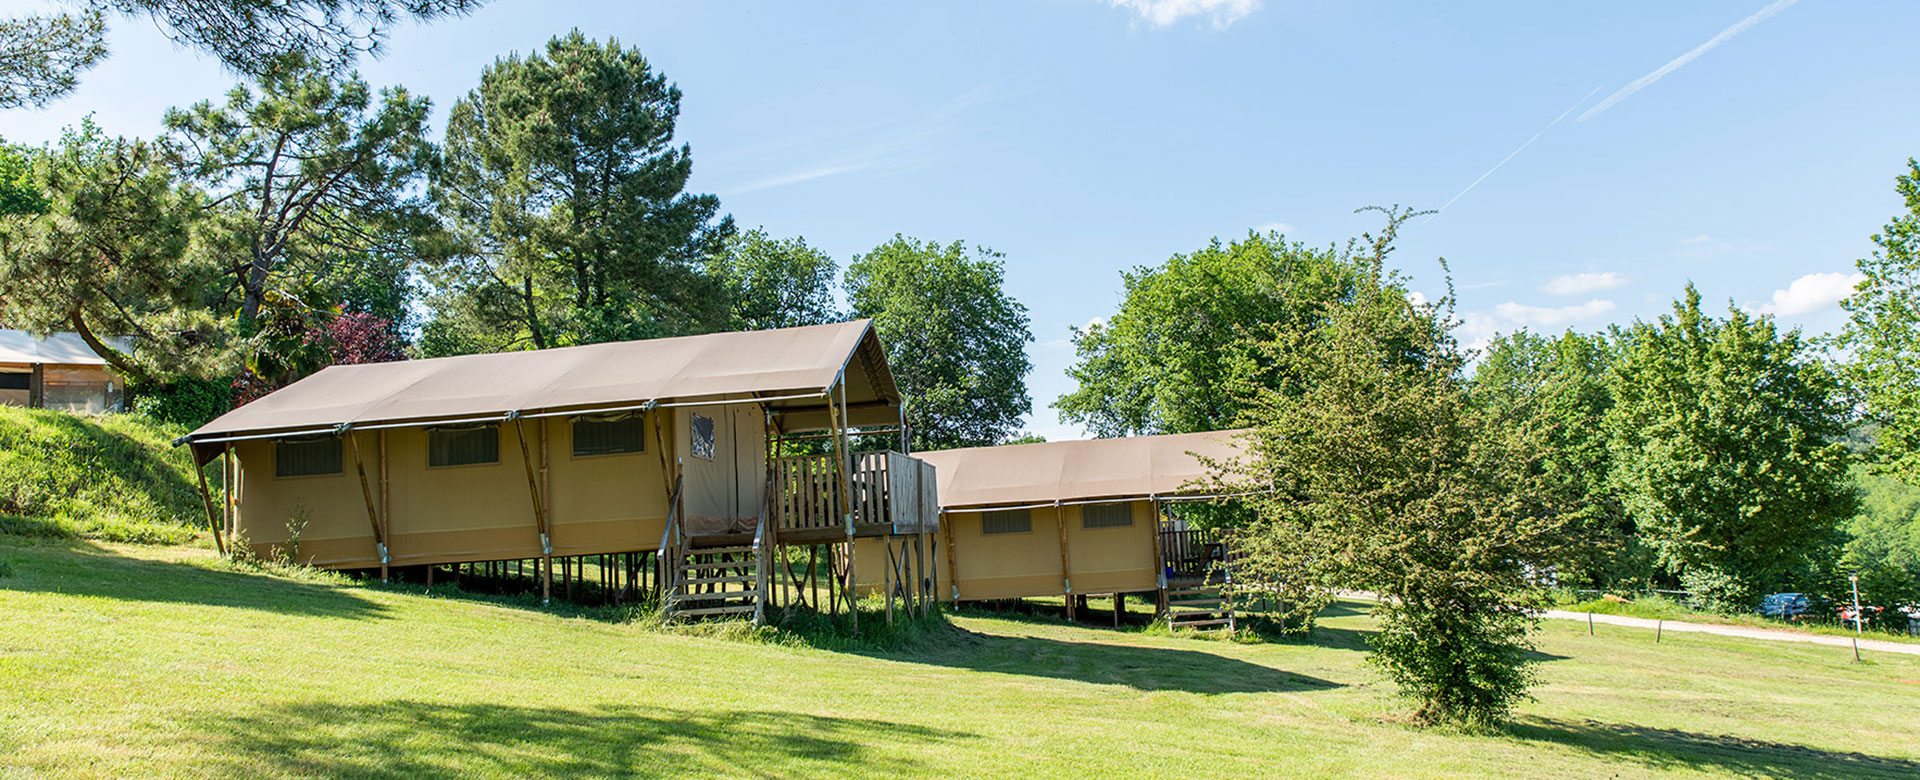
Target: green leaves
pixel 1883 334
pixel 955 339
pixel 565 196
pixel 1726 441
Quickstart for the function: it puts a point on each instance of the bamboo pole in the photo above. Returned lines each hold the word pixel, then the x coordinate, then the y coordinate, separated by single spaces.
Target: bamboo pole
pixel 229 474
pixel 1159 562
pixel 366 492
pixel 1066 572
pixel 386 504
pixel 206 500
pixel 546 494
pixel 953 571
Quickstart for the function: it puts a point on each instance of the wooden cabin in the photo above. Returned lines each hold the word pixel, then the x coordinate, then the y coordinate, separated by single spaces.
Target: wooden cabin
pixel 57 372
pixel 1071 518
pixel 670 450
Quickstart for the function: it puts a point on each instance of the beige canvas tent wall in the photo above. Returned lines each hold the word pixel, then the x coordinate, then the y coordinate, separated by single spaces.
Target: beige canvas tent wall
pixel 1059 518
pixel 480 457
pixel 57 372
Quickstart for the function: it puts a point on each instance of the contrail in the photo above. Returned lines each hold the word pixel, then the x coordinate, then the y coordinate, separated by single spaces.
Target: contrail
pixel 1514 153
pixel 1725 35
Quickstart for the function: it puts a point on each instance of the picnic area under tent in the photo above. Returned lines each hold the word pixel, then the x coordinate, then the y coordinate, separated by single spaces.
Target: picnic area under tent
pixel 656 468
pixel 1074 519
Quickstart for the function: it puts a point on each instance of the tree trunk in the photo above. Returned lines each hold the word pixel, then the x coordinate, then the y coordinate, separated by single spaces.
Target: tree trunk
pixel 114 357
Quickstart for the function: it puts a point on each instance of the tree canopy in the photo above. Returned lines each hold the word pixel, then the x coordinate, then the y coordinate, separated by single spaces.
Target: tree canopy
pixel 1883 333
pixel 955 338
pixel 1177 357
pixel 42 55
pixel 1726 442
pixel 565 191
pixel 774 282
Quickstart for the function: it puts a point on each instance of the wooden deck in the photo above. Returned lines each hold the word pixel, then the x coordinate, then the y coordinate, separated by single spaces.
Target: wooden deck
pixel 882 493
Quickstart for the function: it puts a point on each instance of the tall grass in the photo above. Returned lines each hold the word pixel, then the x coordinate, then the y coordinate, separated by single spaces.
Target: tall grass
pixel 110 477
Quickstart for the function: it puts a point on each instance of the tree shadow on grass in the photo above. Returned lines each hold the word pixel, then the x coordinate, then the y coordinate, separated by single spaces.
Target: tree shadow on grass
pixel 77 568
pixel 1099 663
pixel 410 739
pixel 1671 749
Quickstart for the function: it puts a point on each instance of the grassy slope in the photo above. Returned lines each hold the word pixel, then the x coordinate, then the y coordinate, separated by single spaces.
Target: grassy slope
pixel 115 477
pixel 145 661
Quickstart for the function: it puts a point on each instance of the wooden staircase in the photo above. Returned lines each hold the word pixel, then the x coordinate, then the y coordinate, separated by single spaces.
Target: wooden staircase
pixel 717 575
pixel 1205 602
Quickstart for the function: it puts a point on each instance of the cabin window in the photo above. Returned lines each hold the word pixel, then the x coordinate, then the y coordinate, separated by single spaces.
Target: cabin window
pixel 306 457
pixel 609 434
pixel 1011 521
pixel 16 381
pixel 1116 515
pixel 461 445
pixel 702 436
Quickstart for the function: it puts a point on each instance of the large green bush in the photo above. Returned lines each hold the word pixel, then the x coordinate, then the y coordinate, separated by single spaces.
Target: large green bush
pixel 111 477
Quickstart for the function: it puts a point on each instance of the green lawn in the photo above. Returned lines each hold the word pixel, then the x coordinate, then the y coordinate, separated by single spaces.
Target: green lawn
pixel 121 661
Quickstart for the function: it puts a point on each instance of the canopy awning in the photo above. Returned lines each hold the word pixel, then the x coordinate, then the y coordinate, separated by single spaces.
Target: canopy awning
pixel 1067 471
pixel 790 370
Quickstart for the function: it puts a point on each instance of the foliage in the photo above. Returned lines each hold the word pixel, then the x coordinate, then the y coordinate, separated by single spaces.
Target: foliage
pixel 955 339
pixel 1387 478
pixel 20 194
pixel 565 196
pixel 774 283
pixel 113 255
pixel 1726 447
pixel 302 346
pixel 115 477
pixel 186 402
pixel 1178 356
pixel 1566 381
pixel 41 57
pixel 312 177
pixel 1884 542
pixel 1883 333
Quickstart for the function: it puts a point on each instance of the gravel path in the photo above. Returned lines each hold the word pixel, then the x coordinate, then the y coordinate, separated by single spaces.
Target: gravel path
pixel 1874 645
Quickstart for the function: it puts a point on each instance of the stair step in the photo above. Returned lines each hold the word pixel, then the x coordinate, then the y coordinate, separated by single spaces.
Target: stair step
pixel 1193 591
pixel 721 565
pixel 730 610
pixel 1199 623
pixel 726 578
pixel 719 550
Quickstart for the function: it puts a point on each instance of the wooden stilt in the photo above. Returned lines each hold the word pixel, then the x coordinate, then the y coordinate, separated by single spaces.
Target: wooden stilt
pixel 229 474
pixel 1119 606
pixel 1066 571
pixel 386 505
pixel 546 495
pixel 366 492
pixel 206 500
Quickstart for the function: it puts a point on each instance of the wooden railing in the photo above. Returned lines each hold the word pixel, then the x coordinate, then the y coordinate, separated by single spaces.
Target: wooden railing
pixel 807 490
pixel 1193 552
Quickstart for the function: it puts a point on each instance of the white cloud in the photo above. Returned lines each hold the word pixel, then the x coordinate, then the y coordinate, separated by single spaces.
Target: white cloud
pixel 1273 227
pixel 1809 293
pixel 1678 62
pixel 1695 240
pixel 1580 284
pixel 1552 316
pixel 1097 322
pixel 1160 13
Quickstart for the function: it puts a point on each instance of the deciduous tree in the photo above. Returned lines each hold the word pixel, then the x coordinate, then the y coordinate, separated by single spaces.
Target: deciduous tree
pixel 955 338
pixel 1883 334
pixel 775 283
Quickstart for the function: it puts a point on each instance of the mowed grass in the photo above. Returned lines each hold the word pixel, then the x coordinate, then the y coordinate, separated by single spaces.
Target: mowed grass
pixel 120 661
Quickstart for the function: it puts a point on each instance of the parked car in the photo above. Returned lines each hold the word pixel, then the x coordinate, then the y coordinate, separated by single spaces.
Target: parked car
pixel 1784 606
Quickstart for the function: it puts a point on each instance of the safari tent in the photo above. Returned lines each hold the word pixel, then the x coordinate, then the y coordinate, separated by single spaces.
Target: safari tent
pixel 57 372
pixel 1071 518
pixel 673 450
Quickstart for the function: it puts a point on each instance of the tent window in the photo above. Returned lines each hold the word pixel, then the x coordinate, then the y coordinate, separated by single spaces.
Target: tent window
pixel 1116 515
pixel 603 435
pixel 702 436
pixel 16 381
pixel 1011 521
pixel 306 457
pixel 463 445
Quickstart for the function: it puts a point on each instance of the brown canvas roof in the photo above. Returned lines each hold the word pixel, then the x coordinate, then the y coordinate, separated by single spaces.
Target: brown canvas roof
pixel 1020 474
pixel 718 366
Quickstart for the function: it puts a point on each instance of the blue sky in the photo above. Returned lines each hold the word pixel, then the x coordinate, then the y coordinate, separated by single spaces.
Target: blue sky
pixel 1748 147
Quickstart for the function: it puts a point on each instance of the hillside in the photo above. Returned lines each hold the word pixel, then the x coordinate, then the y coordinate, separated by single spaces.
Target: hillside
pixel 113 477
pixel 165 662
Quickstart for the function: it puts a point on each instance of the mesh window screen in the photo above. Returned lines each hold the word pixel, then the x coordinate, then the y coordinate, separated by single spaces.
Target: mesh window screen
pixel 1106 515
pixel 1012 521
pixel 463 445
pixel 608 435
pixel 306 457
pixel 702 442
pixel 11 380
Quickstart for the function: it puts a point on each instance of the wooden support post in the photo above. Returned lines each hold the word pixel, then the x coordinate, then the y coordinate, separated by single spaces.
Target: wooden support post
pixel 953 571
pixel 206 500
pixel 366 492
pixel 1066 570
pixel 890 576
pixel 36 386
pixel 1589 623
pixel 1159 564
pixel 1119 606
pixel 228 475
pixel 386 504
pixel 1657 627
pixel 533 483
pixel 546 496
